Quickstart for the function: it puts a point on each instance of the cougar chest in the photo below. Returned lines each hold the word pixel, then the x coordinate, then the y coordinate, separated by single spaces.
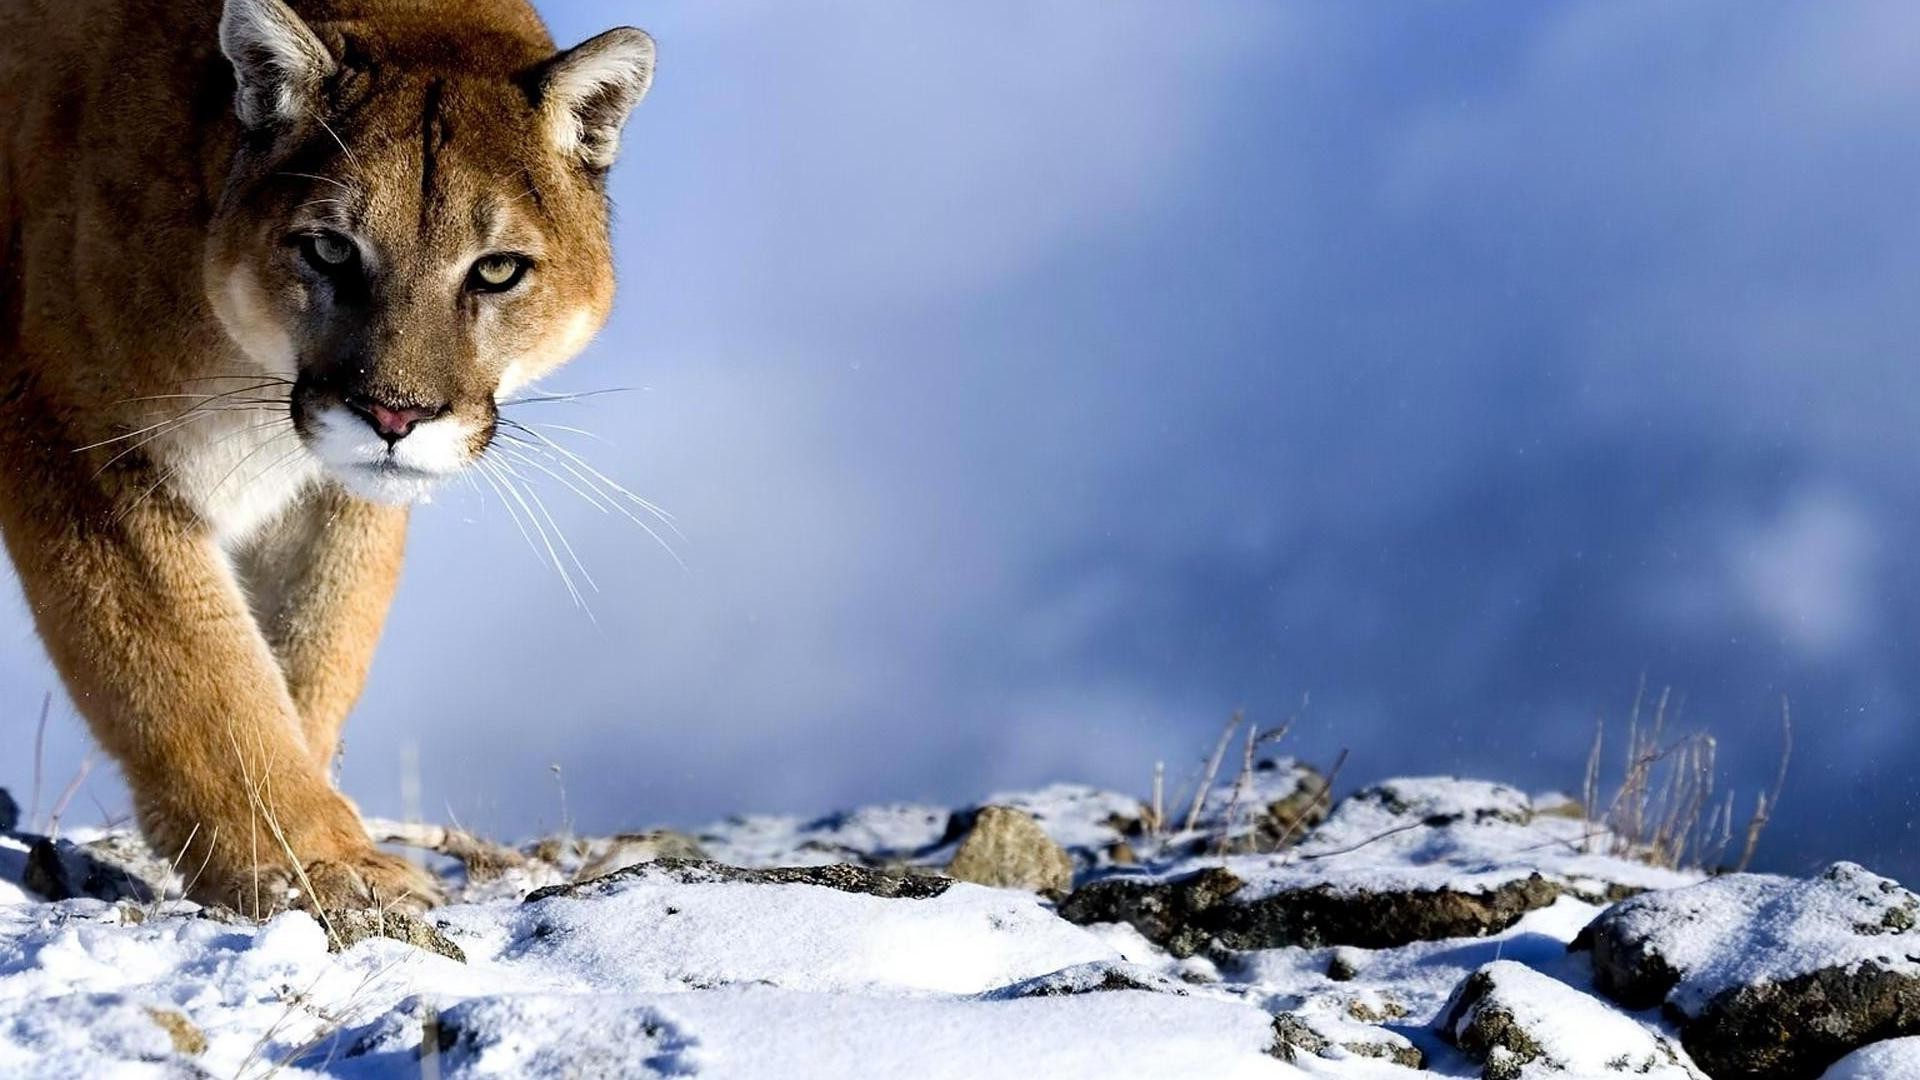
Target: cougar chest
pixel 237 468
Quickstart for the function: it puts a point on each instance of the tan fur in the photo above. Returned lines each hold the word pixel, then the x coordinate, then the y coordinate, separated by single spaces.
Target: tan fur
pixel 207 524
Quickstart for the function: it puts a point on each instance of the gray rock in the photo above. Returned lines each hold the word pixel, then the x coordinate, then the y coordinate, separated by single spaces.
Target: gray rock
pixel 110 869
pixel 1345 964
pixel 1092 978
pixel 1800 1027
pixel 841 876
pixel 1767 976
pixel 1183 914
pixel 346 929
pixel 1176 914
pixel 1294 1036
pixel 1006 848
pixel 1400 1052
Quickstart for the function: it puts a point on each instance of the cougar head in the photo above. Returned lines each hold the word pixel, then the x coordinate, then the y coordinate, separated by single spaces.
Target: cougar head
pixel 416 223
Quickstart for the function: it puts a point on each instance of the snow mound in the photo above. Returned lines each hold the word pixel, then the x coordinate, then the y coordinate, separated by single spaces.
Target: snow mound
pixel 1895 1059
pixel 657 931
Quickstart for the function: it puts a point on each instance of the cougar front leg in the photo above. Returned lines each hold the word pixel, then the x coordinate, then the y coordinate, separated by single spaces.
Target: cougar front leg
pixel 152 634
pixel 320 582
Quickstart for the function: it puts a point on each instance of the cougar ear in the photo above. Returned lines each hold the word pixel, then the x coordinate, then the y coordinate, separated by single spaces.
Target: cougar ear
pixel 586 93
pixel 277 61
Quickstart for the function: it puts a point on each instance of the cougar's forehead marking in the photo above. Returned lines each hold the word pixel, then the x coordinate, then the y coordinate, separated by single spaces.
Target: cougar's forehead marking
pixel 436 134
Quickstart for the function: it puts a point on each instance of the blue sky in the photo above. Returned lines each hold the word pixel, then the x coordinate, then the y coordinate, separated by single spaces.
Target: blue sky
pixel 1036 384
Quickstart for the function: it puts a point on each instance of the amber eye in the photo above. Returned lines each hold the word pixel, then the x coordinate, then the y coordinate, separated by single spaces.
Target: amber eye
pixel 497 273
pixel 329 252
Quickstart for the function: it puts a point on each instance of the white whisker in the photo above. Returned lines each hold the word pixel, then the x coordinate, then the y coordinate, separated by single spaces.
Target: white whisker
pixel 504 487
pixel 558 533
pixel 591 482
pixel 645 504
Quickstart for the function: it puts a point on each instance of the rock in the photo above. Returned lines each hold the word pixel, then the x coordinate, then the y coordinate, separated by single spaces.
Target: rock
pixel 1295 1035
pixel 1344 965
pixel 1375 1009
pixel 9 812
pixel 1799 1027
pixel 349 928
pixel 1397 1050
pixel 1517 1021
pixel 1092 978
pixel 1007 849
pixel 187 1038
pixel 1326 915
pixel 110 869
pixel 1560 805
pixel 632 849
pixel 1090 823
pixel 1173 913
pixel 1182 914
pixel 1768 976
pixel 841 876
pixel 1287 818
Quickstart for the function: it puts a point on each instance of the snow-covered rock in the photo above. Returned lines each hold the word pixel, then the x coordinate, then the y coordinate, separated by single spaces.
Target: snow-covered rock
pixel 1408 860
pixel 1517 1021
pixel 1768 976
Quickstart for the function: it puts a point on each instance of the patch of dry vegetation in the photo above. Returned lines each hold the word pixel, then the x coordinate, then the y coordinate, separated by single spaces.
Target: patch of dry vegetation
pixel 1666 810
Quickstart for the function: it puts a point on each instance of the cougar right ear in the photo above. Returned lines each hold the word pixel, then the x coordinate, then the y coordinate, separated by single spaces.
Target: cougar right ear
pixel 587 92
pixel 277 60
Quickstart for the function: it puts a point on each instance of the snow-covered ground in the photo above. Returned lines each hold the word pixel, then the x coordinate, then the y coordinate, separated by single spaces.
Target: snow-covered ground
pixel 1224 958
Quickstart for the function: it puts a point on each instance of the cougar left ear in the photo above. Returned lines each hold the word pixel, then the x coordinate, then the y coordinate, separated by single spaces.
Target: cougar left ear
pixel 278 62
pixel 586 93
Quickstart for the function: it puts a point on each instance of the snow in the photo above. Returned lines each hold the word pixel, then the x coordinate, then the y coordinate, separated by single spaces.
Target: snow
pixel 1895 1059
pixel 1429 833
pixel 649 976
pixel 655 934
pixel 667 970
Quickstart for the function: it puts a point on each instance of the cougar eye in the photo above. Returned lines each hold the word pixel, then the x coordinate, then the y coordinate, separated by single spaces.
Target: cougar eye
pixel 497 273
pixel 328 252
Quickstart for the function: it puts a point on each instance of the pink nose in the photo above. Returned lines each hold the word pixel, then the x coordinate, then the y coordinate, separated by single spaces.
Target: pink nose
pixel 393 423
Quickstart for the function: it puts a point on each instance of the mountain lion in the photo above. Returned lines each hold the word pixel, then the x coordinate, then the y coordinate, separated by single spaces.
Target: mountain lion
pixel 265 272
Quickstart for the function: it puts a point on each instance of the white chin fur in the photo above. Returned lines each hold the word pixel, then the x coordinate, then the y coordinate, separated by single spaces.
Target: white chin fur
pixel 365 465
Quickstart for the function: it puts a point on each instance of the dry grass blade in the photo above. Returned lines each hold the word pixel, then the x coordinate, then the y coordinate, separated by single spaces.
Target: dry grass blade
pixel 39 757
pixel 1763 811
pixel 1242 783
pixel 1212 770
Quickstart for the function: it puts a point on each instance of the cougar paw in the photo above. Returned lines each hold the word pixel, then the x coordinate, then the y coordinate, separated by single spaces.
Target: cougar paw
pixel 369 879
